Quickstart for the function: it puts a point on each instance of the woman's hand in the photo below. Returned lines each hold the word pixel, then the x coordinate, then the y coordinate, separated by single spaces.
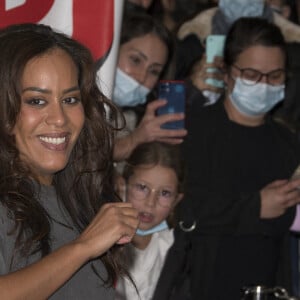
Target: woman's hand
pixel 278 196
pixel 115 223
pixel 149 129
pixel 200 73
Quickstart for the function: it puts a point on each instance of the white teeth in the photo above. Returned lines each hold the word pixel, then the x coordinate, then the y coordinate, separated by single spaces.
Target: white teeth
pixel 55 141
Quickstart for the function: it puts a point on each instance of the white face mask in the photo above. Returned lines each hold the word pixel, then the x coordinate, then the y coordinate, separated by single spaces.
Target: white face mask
pixel 257 99
pixel 235 9
pixel 127 91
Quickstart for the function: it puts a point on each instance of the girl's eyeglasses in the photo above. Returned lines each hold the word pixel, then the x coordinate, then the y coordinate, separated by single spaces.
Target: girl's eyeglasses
pixel 141 191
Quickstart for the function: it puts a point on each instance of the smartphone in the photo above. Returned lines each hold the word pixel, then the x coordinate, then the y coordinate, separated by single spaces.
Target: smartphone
pixel 214 47
pixel 174 92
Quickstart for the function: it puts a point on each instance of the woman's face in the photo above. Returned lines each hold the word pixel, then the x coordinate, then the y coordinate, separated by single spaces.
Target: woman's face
pixel 51 115
pixel 143 59
pixel 261 58
pixel 152 190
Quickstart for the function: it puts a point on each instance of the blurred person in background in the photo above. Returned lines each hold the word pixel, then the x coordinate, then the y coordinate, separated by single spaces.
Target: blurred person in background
pixel 217 20
pixel 239 162
pixel 145 48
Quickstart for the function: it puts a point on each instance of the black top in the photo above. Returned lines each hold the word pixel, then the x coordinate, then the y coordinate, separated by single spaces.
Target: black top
pixel 228 164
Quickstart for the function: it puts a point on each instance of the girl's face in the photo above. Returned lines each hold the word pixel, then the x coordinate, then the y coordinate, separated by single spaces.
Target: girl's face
pixel 143 59
pixel 152 190
pixel 51 115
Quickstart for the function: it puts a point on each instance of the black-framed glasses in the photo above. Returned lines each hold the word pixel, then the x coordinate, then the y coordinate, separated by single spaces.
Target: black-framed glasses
pixel 140 191
pixel 251 76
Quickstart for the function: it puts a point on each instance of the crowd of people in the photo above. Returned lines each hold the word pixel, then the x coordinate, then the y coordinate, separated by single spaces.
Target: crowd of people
pixel 99 201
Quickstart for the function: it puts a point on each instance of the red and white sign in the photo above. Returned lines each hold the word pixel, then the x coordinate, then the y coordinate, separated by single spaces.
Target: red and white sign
pixel 95 23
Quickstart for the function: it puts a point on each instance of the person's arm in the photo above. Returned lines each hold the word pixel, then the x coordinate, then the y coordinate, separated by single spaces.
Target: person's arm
pixel 148 130
pixel 41 279
pixel 123 147
pixel 115 223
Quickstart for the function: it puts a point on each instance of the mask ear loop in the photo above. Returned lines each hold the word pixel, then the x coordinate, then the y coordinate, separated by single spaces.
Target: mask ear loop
pixel 187 229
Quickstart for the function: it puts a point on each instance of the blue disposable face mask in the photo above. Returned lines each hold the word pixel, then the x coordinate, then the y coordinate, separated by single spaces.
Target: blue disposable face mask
pixel 162 226
pixel 127 91
pixel 235 9
pixel 256 99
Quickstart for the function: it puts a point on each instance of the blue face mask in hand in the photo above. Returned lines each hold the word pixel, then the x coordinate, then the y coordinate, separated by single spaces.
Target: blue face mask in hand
pixel 235 9
pixel 255 99
pixel 127 91
pixel 162 226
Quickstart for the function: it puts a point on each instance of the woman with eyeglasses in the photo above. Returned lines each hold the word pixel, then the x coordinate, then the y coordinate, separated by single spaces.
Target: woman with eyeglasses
pixel 239 196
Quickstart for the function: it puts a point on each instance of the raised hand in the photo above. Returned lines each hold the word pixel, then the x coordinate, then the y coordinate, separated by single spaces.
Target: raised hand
pixel 115 223
pixel 150 129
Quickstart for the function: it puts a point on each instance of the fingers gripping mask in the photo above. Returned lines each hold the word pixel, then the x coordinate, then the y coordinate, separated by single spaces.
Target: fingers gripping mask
pixel 127 91
pixel 235 9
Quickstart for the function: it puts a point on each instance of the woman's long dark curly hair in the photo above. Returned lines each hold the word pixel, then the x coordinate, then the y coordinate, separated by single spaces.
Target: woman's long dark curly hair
pixel 81 186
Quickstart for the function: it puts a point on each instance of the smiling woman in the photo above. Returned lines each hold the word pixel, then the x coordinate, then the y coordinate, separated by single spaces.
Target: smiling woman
pixel 51 115
pixel 59 236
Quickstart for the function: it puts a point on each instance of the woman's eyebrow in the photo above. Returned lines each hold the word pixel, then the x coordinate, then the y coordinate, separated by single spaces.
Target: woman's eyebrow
pixel 47 91
pixel 36 89
pixel 145 57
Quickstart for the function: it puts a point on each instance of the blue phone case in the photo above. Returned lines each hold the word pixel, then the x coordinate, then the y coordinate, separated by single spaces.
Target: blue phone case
pixel 214 47
pixel 174 93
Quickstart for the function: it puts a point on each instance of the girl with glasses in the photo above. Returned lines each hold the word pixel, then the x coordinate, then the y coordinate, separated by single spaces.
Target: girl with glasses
pixel 153 178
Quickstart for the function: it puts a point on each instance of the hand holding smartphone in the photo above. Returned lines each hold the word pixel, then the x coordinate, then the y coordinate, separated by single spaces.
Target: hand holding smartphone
pixel 174 92
pixel 214 47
